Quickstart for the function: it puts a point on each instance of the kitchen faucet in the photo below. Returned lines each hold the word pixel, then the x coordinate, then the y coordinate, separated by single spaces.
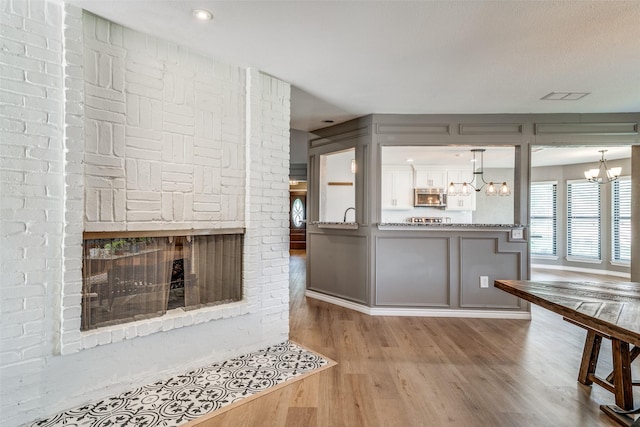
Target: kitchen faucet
pixel 345 213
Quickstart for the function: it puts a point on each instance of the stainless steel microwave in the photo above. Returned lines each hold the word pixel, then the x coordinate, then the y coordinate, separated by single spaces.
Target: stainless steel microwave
pixel 430 197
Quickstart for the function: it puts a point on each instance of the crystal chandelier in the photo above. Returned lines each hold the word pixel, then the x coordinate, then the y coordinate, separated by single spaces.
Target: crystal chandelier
pixel 465 188
pixel 593 175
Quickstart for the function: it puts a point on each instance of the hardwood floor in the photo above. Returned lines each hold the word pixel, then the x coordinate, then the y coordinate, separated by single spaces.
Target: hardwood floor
pixel 406 371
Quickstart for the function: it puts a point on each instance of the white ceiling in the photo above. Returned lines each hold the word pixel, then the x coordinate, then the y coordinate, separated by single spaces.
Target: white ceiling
pixel 553 156
pixel 346 59
pixel 447 156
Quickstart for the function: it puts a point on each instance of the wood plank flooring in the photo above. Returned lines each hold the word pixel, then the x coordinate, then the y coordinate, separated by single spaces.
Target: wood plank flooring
pixel 405 371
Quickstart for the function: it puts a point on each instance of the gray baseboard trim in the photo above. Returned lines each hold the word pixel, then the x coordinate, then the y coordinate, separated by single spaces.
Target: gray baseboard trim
pixel 419 312
pixel 583 270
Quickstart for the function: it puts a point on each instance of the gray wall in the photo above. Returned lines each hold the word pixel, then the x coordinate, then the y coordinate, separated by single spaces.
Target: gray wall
pixel 298 140
pixel 495 209
pixel 635 214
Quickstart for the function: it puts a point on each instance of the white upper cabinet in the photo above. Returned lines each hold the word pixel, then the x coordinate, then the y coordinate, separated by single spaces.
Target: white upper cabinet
pixel 429 178
pixel 397 187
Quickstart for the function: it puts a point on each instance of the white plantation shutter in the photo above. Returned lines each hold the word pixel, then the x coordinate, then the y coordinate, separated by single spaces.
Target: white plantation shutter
pixel 543 218
pixel 583 220
pixel 621 224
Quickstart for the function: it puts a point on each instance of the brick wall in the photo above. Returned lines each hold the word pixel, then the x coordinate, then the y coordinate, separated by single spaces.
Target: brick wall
pixel 32 198
pixel 199 144
pixel 164 134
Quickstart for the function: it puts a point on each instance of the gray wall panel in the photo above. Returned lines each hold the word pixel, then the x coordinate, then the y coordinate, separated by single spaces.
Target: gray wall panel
pixel 482 257
pixel 412 271
pixel 337 265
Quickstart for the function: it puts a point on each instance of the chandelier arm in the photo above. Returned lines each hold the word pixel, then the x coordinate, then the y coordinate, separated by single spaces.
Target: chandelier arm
pixel 604 163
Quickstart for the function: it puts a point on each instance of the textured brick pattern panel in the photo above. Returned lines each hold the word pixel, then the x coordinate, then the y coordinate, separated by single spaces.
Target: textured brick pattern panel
pixel 165 136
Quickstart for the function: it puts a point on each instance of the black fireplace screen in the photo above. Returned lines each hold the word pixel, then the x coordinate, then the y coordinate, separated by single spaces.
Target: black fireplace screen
pixel 131 278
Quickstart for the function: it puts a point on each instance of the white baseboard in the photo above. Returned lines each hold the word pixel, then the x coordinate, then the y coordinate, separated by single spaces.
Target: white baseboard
pixel 583 270
pixel 419 312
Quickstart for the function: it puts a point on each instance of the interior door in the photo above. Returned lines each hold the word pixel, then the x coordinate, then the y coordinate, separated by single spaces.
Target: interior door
pixel 298 220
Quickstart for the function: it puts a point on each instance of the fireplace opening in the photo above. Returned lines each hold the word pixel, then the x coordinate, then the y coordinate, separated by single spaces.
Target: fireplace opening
pixel 129 276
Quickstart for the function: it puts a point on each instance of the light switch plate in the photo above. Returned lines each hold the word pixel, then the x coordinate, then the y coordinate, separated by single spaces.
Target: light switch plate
pixel 517 233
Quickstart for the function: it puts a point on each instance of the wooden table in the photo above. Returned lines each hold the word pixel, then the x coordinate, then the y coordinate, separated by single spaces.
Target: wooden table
pixel 606 310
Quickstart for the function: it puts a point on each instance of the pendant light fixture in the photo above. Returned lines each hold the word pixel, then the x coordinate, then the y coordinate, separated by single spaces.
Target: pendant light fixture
pixel 465 188
pixel 593 175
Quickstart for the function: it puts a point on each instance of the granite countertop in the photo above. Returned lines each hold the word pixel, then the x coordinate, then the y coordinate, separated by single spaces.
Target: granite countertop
pixel 416 225
pixel 446 225
pixel 340 225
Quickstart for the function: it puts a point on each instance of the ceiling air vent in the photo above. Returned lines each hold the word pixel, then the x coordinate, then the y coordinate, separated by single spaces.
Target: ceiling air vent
pixel 564 96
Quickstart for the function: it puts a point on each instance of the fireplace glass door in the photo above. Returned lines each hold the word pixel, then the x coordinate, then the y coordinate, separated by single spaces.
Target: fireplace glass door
pixel 132 278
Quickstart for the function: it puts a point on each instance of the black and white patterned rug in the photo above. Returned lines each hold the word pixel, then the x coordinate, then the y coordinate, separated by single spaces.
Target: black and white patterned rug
pixel 191 395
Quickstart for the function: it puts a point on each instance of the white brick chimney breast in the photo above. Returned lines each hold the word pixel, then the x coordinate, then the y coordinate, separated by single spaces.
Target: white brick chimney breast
pixel 104 128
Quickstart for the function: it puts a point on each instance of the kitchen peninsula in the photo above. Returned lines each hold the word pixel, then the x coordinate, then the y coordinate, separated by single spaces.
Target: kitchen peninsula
pixel 440 255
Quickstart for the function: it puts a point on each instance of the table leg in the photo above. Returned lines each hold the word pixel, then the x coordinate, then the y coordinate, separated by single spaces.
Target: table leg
pixel 635 352
pixel 589 357
pixel 621 378
pixel 622 374
pixel 614 413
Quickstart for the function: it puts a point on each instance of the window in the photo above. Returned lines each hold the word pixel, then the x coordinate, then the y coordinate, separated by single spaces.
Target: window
pixel 621 224
pixel 543 218
pixel 297 213
pixel 583 220
pixel 337 184
pixel 406 167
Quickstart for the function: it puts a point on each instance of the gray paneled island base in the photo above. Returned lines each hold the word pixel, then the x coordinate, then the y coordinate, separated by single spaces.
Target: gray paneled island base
pixel 418 270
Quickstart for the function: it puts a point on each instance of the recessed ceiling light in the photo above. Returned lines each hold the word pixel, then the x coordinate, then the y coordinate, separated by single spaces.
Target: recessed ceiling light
pixel 409 160
pixel 564 96
pixel 202 15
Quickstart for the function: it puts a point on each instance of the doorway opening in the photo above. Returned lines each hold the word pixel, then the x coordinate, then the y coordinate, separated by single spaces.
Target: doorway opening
pixel 297 215
pixel 576 225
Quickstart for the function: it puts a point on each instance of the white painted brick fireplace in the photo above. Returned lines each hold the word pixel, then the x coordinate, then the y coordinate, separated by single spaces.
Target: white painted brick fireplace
pixel 107 129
